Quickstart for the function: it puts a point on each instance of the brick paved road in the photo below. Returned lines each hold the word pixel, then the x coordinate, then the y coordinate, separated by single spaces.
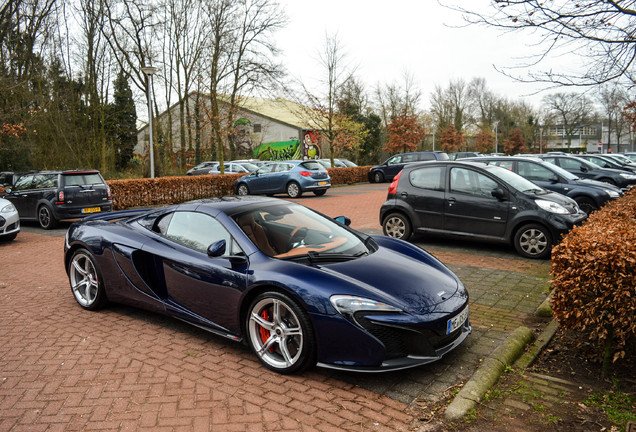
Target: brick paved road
pixel 62 368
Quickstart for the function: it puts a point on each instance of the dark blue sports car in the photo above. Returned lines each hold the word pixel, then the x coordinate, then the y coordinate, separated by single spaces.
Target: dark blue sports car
pixel 298 287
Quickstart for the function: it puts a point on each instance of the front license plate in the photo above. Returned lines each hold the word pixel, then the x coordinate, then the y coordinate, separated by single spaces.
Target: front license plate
pixel 92 210
pixel 457 322
pixel 322 183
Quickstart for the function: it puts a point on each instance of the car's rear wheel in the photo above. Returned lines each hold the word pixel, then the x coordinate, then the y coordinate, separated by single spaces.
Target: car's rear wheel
pixel 533 241
pixel 397 225
pixel 586 204
pixel 320 192
pixel 242 190
pixel 378 177
pixel 86 280
pixel 280 333
pixel 46 218
pixel 294 190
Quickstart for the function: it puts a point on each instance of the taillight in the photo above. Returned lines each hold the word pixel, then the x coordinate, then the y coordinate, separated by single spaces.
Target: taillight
pixel 60 196
pixel 394 184
pixel 108 193
pixel 305 173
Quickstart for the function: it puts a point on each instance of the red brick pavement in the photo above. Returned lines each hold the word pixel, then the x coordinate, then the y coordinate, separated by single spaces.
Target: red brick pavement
pixel 63 368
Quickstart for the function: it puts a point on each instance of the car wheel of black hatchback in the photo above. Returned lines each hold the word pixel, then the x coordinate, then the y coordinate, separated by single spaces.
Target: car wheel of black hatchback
pixel 86 280
pixel 533 241
pixel 378 177
pixel 280 333
pixel 46 218
pixel 397 225
pixel 586 205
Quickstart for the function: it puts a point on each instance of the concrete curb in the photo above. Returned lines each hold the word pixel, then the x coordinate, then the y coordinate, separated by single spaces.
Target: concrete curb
pixel 544 338
pixel 488 373
pixel 545 308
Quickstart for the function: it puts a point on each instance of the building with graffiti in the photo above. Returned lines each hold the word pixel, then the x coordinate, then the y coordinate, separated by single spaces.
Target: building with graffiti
pixel 266 129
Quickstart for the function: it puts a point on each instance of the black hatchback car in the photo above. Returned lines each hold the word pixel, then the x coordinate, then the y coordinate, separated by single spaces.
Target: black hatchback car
pixel 478 201
pixel 586 169
pixel 590 195
pixel 49 196
pixel 393 165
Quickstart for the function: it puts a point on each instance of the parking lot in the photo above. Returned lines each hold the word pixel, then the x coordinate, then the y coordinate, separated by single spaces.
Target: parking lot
pixel 62 368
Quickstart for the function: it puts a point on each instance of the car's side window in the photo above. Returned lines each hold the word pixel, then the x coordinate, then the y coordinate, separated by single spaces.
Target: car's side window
pixel 198 231
pixel 467 181
pixel 394 160
pixel 427 156
pixel 283 167
pixel 571 164
pixel 409 158
pixel 502 163
pixel 42 181
pixel 24 183
pixel 428 178
pixel 533 171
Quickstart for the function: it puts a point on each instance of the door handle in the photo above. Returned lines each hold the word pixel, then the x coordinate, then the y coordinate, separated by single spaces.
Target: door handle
pixel 452 201
pixel 404 194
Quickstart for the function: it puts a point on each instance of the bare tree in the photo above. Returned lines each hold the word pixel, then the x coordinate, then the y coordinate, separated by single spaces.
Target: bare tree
pixel 450 106
pixel 571 111
pixel 613 99
pixel 602 32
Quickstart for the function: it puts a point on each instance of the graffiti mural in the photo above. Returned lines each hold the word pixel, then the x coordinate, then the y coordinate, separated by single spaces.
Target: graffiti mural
pixel 311 145
pixel 280 150
pixel 242 137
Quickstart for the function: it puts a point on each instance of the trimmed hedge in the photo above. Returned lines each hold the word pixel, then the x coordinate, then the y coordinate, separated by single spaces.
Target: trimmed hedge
pixel 594 270
pixel 174 190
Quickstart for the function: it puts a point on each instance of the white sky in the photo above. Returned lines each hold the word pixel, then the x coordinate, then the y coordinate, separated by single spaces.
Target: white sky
pixel 384 38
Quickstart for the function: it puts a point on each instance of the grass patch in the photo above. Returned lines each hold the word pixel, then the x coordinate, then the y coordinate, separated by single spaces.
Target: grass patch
pixel 619 407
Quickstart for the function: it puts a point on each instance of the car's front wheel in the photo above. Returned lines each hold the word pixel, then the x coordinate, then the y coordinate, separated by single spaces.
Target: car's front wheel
pixel 294 190
pixel 86 280
pixel 397 225
pixel 533 241
pixel 46 218
pixel 242 190
pixel 586 205
pixel 280 333
pixel 378 177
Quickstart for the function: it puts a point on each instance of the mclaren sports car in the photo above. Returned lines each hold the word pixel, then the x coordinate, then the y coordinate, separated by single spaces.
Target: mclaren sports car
pixel 300 288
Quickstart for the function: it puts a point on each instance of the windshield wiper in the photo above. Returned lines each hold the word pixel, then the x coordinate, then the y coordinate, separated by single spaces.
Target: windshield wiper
pixel 316 257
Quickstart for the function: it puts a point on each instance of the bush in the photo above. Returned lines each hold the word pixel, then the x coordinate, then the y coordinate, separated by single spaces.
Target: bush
pixel 594 270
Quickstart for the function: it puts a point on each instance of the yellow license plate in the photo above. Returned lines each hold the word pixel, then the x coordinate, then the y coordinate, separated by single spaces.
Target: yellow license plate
pixel 322 183
pixel 92 210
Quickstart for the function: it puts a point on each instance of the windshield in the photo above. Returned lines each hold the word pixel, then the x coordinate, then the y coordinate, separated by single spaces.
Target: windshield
pixel 289 231
pixel 511 179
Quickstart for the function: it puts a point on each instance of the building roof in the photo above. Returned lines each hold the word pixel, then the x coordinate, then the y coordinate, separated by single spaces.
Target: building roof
pixel 282 110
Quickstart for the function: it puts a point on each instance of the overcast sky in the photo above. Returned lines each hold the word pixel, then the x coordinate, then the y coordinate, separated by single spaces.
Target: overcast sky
pixel 385 37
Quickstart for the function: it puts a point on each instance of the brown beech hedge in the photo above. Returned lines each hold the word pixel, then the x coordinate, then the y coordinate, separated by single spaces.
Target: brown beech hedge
pixel 174 190
pixel 594 270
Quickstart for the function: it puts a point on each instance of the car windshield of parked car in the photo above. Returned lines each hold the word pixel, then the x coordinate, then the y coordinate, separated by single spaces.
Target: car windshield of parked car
pixel 513 180
pixel 293 231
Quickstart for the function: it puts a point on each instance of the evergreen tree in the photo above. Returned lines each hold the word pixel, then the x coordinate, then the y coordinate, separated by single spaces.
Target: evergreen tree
pixel 124 121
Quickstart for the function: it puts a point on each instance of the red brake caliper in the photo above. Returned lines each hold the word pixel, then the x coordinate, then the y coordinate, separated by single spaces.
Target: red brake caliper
pixel 264 332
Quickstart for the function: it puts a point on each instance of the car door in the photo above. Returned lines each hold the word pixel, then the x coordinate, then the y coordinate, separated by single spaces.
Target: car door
pixel 424 192
pixel 281 176
pixel 393 166
pixel 470 207
pixel 260 181
pixel 542 176
pixel 199 286
pixel 24 197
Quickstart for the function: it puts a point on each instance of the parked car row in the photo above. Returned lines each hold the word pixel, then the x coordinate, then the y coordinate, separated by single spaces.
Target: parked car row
pixel 291 177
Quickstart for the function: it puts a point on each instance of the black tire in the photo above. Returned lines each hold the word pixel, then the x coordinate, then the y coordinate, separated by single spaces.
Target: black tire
pixel 293 190
pixel 533 241
pixel 242 189
pixel 320 192
pixel 397 225
pixel 285 343
pixel 45 217
pixel 586 204
pixel 87 284
pixel 377 177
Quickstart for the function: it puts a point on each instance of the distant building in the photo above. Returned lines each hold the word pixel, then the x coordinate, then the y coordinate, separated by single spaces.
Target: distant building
pixel 267 129
pixel 594 138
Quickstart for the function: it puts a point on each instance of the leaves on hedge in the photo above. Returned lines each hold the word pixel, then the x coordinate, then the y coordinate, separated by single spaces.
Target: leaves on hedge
pixel 595 275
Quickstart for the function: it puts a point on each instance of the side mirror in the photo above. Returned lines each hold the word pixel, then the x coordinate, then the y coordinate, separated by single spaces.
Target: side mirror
pixel 343 220
pixel 217 249
pixel 554 179
pixel 584 168
pixel 499 193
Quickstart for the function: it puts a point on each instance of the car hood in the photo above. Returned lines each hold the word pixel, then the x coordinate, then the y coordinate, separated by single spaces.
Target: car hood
pixel 597 184
pixel 413 285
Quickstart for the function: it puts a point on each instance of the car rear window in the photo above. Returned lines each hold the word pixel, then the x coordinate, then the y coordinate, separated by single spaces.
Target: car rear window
pixel 82 179
pixel 311 165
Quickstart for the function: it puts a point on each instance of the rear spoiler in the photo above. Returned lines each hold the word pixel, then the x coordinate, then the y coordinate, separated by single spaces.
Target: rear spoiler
pixel 121 214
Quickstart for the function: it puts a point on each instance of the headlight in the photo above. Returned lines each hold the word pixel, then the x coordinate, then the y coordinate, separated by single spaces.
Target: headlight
pixel 612 193
pixel 628 176
pixel 349 305
pixel 551 206
pixel 9 208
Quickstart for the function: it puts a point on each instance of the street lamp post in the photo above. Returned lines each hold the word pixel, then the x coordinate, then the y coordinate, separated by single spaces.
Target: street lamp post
pixel 149 71
pixel 496 137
